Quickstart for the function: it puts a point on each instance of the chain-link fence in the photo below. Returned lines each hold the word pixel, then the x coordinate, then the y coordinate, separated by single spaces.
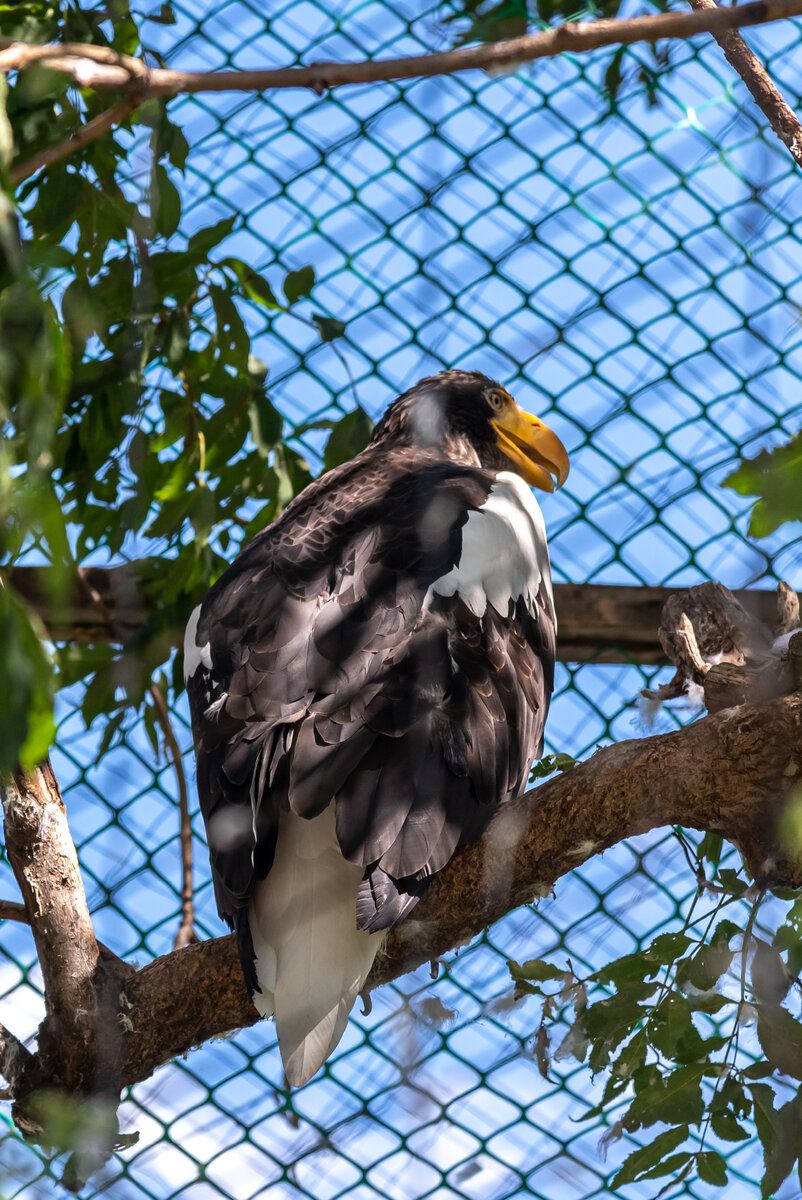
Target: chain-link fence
pixel 629 266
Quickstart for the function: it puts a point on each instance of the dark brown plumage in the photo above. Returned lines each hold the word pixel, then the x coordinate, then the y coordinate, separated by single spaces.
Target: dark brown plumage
pixel 342 666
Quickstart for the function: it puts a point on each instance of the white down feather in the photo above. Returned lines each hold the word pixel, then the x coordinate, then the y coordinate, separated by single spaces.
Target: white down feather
pixel 311 960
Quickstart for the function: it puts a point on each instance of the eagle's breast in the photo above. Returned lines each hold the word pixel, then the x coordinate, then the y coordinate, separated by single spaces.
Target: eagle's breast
pixel 504 555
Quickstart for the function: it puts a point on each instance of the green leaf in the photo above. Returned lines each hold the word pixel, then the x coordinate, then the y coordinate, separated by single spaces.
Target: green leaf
pixel 26 674
pixel 780 1037
pixel 614 75
pixel 668 947
pixel 704 969
pixel 711 847
pixel 254 286
pixel 671 1099
pixel 724 932
pixel 535 970
pixel 550 763
pixel 165 203
pixel 769 977
pixel 672 1031
pixel 267 423
pixel 765 1116
pixel 299 283
pixel 732 882
pixel 676 1165
pixel 712 1168
pixel 775 476
pixel 647 1157
pixel 329 328
pixel 163 16
pixel 504 19
pixel 350 435
pixel 206 239
pixel 232 337
pixel 758 1070
pixel 727 1128
pixel 780 1133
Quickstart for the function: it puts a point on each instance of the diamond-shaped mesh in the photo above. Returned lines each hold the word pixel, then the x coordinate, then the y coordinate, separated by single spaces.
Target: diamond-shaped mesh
pixel 633 276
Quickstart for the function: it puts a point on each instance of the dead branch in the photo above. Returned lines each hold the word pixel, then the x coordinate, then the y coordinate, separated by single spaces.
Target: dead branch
pixel 186 929
pixel 765 93
pixel 719 646
pixel 102 69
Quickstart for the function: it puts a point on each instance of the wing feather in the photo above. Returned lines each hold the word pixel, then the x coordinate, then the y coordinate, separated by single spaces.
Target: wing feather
pixel 346 688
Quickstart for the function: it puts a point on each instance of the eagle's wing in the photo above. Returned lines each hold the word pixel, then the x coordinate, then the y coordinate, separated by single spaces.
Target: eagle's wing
pixel 368 681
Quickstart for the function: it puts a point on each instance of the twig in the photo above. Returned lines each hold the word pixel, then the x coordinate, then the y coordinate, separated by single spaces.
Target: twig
pixel 780 116
pixel 186 928
pixel 93 129
pixel 12 910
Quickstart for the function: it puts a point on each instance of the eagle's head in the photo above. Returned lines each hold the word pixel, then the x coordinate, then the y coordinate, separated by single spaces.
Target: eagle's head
pixel 473 420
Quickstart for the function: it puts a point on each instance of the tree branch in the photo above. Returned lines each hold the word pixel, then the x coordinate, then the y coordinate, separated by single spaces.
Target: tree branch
pixel 78 1047
pixel 780 116
pixel 93 129
pixel 101 68
pixel 729 773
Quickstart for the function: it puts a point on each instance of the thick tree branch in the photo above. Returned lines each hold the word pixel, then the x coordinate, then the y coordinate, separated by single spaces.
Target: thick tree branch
pixel 780 116
pixel 602 622
pixel 730 773
pixel 77 1042
pixel 101 68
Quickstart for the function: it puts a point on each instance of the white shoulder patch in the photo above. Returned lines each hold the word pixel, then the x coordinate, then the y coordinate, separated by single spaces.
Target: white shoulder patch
pixel 195 655
pixel 504 551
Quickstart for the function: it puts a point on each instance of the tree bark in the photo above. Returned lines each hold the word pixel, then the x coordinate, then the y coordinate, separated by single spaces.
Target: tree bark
pixel 79 1045
pixel 731 773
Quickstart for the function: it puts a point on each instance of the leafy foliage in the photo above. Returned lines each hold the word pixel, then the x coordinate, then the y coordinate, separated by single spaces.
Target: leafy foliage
pixel 636 69
pixel 775 476
pixel 134 413
pixel 688 1031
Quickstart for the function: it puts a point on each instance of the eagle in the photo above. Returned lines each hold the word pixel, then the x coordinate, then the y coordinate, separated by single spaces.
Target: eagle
pixel 368 681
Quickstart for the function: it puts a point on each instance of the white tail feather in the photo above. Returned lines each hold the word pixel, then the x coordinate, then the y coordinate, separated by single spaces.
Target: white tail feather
pixel 311 960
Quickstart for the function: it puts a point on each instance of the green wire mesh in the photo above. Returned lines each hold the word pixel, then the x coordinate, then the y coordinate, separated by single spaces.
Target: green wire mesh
pixel 630 268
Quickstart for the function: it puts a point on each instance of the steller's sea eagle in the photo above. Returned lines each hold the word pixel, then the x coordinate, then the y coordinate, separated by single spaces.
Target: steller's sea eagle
pixel 368 681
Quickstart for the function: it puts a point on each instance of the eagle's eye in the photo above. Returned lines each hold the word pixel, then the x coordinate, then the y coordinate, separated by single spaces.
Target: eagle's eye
pixel 497 398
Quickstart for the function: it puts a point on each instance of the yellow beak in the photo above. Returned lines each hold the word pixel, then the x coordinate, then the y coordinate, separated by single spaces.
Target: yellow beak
pixel 536 451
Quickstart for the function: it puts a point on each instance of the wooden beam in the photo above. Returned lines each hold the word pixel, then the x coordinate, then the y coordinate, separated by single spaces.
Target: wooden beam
pixel 599 622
